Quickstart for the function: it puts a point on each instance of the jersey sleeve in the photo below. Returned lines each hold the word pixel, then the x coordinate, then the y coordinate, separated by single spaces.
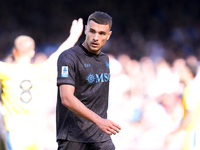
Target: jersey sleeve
pixel 66 69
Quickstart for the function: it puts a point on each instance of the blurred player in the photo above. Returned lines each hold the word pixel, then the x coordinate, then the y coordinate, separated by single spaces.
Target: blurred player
pixel 191 104
pixel 23 91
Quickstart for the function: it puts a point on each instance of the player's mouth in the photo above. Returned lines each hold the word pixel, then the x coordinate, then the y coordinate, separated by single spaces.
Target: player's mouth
pixel 94 44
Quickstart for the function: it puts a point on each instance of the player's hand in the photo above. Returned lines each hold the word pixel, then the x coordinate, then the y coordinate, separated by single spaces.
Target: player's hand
pixel 108 126
pixel 77 27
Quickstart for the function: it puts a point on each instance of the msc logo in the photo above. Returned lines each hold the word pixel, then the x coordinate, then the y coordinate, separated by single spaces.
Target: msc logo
pixel 103 77
pixel 90 78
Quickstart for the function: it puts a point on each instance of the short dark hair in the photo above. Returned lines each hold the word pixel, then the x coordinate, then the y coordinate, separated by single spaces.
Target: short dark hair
pixel 192 64
pixel 193 68
pixel 101 18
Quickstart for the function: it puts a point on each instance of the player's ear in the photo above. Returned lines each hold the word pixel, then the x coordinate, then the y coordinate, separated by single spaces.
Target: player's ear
pixel 14 51
pixel 109 34
pixel 85 29
pixel 32 53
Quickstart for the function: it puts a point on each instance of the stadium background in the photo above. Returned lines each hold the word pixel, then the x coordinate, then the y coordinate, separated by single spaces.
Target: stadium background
pixel 48 23
pixel 149 34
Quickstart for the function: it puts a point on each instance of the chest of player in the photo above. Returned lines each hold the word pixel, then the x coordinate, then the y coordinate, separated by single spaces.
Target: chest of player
pixel 93 70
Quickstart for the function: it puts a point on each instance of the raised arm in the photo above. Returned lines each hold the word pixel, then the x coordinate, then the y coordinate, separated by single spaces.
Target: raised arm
pixel 77 107
pixel 75 32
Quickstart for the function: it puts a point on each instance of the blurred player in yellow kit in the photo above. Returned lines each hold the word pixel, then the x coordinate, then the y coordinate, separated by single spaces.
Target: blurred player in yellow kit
pixel 23 90
pixel 191 105
pixel 192 110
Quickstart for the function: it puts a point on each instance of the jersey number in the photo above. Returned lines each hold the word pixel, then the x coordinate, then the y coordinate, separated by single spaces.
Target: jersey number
pixel 26 86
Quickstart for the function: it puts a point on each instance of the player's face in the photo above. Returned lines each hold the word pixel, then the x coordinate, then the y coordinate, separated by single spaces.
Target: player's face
pixel 96 36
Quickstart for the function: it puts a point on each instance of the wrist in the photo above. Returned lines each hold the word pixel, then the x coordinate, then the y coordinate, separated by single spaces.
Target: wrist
pixel 74 36
pixel 96 119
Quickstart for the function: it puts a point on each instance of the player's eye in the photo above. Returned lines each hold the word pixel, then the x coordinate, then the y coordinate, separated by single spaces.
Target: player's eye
pixel 92 31
pixel 102 33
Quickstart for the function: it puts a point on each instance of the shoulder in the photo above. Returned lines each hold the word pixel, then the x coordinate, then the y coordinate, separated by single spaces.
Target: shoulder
pixel 192 85
pixel 7 69
pixel 73 51
pixel 192 89
pixel 104 56
pixel 4 65
pixel 69 56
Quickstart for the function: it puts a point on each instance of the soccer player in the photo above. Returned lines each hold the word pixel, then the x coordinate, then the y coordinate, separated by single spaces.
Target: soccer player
pixel 191 104
pixel 83 83
pixel 22 86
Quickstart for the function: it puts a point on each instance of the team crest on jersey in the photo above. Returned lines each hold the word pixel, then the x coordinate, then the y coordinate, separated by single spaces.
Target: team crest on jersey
pixel 64 72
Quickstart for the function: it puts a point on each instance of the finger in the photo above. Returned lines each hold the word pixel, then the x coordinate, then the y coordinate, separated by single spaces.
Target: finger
pixel 74 22
pixel 110 131
pixel 117 126
pixel 115 129
pixel 80 21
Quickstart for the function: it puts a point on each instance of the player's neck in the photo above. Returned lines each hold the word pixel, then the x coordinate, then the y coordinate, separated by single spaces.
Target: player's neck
pixel 22 60
pixel 89 50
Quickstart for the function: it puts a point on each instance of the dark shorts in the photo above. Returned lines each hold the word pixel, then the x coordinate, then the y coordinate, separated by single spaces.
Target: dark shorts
pixel 69 145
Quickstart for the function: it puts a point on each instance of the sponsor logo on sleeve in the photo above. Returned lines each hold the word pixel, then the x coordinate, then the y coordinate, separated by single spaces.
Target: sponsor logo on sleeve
pixel 64 72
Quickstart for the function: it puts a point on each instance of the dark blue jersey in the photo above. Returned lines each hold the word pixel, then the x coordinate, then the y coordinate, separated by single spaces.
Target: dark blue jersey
pixel 90 75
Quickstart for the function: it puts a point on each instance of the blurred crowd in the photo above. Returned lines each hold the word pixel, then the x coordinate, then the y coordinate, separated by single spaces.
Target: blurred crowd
pixel 150 41
pixel 145 99
pixel 140 28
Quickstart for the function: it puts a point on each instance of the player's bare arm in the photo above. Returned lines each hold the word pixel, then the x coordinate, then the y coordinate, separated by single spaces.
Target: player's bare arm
pixel 74 105
pixel 75 33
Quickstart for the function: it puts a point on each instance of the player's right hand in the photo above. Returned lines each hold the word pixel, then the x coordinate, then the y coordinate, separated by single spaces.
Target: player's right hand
pixel 77 27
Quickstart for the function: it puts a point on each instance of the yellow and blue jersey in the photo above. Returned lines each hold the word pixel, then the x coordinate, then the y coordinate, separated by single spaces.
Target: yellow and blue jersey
pixel 22 92
pixel 191 102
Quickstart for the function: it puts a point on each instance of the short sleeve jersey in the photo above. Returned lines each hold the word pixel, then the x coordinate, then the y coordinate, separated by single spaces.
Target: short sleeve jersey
pixel 191 102
pixel 22 93
pixel 90 75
